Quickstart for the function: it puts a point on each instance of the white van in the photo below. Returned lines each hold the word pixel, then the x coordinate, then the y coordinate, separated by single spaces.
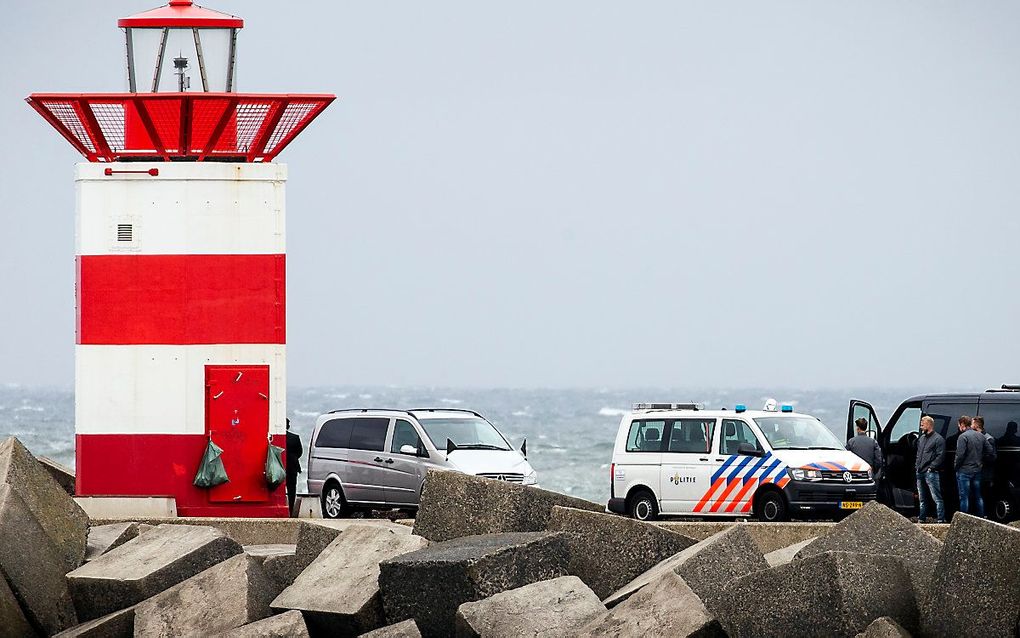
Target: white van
pixel 372 459
pixel 679 459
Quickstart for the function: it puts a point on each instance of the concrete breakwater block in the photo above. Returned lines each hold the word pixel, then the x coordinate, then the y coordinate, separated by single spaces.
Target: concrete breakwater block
pixel 405 629
pixel 884 627
pixel 312 538
pixel 833 594
pixel 228 595
pixel 338 593
pixel 664 607
pixel 13 623
pixel 33 566
pixel 430 584
pixel 119 624
pixel 549 608
pixel 980 564
pixel 155 561
pixel 287 625
pixel 876 529
pixel 608 551
pixel 705 566
pixel 103 538
pixel 63 475
pixel 786 554
pixel 64 522
pixel 485 506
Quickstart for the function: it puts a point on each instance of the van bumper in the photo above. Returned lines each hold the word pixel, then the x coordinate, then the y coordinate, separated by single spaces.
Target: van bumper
pixel 807 498
pixel 617 506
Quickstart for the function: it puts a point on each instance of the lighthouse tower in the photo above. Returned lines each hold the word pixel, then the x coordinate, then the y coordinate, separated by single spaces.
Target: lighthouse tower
pixel 181 262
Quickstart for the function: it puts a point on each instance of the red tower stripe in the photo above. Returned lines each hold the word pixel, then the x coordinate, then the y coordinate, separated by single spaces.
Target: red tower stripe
pixel 181 299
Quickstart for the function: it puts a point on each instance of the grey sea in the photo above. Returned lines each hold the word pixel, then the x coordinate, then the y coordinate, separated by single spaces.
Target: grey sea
pixel 570 433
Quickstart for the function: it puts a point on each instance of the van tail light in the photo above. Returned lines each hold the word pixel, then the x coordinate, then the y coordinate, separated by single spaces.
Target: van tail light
pixel 612 480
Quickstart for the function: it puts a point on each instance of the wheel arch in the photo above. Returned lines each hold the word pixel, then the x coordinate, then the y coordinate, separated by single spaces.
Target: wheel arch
pixel 639 487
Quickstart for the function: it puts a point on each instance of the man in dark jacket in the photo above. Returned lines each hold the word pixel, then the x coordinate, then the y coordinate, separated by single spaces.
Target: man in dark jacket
pixel 293 466
pixel 971 450
pixel 931 452
pixel 988 462
pixel 866 447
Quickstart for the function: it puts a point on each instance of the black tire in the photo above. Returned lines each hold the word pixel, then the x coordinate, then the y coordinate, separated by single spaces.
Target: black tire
pixel 334 505
pixel 642 506
pixel 1002 510
pixel 770 507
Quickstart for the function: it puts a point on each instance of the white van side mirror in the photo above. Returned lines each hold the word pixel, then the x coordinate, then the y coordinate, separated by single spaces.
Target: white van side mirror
pixel 409 450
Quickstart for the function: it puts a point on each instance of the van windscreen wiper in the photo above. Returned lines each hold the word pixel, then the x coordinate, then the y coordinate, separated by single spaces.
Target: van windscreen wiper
pixel 480 446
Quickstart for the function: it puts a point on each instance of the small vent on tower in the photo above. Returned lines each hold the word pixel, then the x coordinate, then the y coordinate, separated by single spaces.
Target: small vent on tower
pixel 125 232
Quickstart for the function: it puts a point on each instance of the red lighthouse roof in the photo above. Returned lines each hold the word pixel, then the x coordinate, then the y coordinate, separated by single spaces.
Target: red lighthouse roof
pixel 182 13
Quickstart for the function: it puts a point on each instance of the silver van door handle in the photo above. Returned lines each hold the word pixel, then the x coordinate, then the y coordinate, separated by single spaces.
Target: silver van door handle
pixel 378 459
pixel 389 460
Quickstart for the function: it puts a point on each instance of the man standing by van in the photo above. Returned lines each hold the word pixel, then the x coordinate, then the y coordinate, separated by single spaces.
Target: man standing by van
pixel 931 452
pixel 988 461
pixel 970 448
pixel 866 447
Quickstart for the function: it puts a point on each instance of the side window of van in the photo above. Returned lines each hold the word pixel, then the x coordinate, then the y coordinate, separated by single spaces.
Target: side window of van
pixel 735 432
pixel 404 434
pixel 908 421
pixel 1002 421
pixel 945 415
pixel 645 436
pixel 335 433
pixel 691 436
pixel 369 434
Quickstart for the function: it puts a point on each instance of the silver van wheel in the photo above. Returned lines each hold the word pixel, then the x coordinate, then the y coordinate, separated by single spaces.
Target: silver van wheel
pixel 332 502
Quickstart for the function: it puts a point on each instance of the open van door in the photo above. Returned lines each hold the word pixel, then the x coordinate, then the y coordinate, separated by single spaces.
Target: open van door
pixel 862 410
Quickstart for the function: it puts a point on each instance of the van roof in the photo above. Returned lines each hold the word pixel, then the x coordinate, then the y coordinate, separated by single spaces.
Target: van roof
pixel 416 412
pixel 711 414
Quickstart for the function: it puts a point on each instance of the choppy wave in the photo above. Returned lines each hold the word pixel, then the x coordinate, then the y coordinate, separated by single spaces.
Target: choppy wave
pixel 613 412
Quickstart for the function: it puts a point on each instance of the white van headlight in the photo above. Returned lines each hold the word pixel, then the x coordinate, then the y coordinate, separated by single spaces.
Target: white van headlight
pixel 802 474
pixel 530 478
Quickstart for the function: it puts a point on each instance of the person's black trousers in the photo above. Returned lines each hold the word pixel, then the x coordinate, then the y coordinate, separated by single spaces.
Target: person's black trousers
pixel 291 488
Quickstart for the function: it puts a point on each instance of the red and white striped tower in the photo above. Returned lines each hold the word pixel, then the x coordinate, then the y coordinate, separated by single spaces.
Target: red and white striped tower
pixel 180 239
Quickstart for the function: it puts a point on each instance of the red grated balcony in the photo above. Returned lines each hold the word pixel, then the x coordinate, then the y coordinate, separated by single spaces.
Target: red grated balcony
pixel 235 127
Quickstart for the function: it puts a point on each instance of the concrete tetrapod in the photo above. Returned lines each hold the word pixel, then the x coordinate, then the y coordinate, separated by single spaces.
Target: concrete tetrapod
pixel 485 506
pixel 33 566
pixel 287 625
pixel 338 593
pixel 60 517
pixel 143 567
pixel 664 607
pixel 546 609
pixel 876 529
pixel 609 551
pixel 786 554
pixel 831 594
pixel 405 629
pixel 63 475
pixel 705 566
pixel 980 565
pixel 884 627
pixel 103 538
pixel 430 584
pixel 225 596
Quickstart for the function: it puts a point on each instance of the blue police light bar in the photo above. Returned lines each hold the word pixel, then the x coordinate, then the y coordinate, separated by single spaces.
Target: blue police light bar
pixel 787 408
pixel 740 407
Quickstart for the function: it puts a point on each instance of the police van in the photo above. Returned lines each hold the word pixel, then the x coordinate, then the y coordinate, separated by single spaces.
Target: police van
pixel 676 459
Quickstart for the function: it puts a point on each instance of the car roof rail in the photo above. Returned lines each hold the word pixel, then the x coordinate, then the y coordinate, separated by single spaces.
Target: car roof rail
pixel 646 407
pixel 464 410
pixel 368 410
pixel 1006 387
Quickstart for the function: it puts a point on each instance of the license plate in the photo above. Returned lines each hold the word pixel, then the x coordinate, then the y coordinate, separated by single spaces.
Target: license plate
pixel 851 505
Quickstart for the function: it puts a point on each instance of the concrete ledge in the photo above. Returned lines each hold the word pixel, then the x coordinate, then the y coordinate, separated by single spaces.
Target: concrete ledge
pixel 124 508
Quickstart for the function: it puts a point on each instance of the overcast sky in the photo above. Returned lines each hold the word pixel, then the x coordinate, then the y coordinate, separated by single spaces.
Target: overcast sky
pixel 585 193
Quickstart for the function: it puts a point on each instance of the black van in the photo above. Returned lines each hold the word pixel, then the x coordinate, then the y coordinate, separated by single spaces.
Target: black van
pixel 898 440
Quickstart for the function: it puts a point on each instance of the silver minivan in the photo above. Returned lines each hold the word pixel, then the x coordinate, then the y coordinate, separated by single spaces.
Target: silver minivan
pixel 365 459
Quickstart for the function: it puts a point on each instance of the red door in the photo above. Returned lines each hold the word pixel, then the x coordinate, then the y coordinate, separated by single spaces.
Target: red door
pixel 237 419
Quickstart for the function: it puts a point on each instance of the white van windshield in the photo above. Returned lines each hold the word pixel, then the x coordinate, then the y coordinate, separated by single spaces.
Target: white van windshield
pixel 469 433
pixel 797 433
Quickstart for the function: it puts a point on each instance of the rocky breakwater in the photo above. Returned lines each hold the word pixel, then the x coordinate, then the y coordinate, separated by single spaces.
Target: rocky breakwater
pixel 490 559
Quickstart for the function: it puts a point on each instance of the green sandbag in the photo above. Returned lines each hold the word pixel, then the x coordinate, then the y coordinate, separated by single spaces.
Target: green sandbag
pixel 211 472
pixel 275 474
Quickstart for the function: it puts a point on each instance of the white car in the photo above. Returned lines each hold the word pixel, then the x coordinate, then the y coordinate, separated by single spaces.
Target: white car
pixel 679 459
pixel 371 459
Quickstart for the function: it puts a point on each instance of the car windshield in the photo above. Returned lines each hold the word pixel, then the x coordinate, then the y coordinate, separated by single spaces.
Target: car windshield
pixel 797 433
pixel 471 433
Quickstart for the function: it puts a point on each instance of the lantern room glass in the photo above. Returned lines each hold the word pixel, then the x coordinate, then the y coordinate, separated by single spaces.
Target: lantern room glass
pixel 181 59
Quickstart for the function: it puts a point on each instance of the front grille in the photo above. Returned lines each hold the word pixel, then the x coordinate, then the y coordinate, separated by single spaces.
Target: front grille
pixel 837 477
pixel 509 478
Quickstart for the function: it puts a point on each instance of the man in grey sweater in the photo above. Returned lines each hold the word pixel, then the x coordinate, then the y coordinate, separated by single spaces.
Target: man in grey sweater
pixel 866 447
pixel 971 450
pixel 931 452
